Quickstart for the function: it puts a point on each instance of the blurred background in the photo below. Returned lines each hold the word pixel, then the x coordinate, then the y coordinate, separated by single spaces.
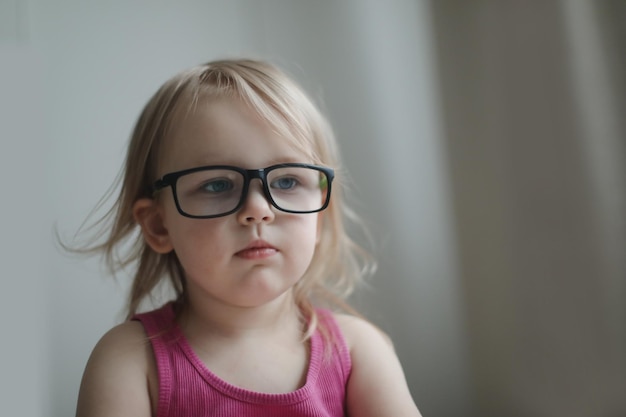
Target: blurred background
pixel 485 143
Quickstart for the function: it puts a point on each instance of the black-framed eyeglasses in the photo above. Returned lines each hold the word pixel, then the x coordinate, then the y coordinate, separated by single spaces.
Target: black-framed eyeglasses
pixel 219 190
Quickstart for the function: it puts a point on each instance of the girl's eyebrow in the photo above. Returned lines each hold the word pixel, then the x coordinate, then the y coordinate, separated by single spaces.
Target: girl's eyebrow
pixel 209 159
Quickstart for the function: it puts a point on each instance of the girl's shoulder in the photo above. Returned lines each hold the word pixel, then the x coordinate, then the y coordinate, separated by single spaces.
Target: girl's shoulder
pixel 126 342
pixel 377 385
pixel 357 330
pixel 118 374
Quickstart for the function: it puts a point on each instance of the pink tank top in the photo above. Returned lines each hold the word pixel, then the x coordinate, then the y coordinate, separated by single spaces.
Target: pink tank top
pixel 188 388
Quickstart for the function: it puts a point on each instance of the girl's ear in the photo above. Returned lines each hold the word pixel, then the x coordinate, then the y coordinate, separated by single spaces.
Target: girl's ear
pixel 148 216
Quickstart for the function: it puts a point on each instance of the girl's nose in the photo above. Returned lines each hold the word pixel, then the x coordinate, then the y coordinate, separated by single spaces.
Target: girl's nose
pixel 256 208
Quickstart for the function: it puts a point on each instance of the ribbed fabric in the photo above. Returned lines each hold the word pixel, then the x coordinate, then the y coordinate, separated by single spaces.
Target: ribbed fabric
pixel 187 388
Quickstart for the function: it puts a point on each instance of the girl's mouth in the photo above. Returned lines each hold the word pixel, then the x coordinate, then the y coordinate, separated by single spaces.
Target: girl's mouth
pixel 257 250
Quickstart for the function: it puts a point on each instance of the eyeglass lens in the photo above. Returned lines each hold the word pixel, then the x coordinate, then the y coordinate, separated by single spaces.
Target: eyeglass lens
pixel 216 191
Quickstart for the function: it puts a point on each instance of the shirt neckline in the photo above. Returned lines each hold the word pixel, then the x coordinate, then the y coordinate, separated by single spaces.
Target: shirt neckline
pixel 242 394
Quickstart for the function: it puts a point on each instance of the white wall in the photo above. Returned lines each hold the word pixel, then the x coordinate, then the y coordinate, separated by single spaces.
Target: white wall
pixel 90 67
pixel 24 219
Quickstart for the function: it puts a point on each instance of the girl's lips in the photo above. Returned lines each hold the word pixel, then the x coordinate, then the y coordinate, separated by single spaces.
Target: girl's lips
pixel 257 250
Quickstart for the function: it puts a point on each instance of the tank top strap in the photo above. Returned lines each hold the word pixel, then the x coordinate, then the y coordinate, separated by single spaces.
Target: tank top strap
pixel 340 346
pixel 160 328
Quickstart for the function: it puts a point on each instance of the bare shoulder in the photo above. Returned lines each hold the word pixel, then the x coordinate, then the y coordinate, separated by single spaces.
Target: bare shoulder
pixel 377 386
pixel 356 330
pixel 117 375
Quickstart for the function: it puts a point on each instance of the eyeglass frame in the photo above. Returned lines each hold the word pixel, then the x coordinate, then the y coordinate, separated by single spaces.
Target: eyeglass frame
pixel 170 179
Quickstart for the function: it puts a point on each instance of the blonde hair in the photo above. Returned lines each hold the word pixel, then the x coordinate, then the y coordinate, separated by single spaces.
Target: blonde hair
pixel 338 265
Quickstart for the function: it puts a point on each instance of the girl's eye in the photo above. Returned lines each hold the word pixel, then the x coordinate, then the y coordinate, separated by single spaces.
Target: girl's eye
pixel 284 183
pixel 217 186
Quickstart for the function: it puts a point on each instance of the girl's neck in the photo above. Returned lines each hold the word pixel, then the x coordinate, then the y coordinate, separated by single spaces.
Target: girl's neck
pixel 224 321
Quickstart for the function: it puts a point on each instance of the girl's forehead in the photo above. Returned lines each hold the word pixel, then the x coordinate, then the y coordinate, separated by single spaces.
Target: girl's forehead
pixel 227 131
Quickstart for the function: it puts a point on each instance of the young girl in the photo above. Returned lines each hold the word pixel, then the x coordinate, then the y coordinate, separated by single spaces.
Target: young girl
pixel 230 176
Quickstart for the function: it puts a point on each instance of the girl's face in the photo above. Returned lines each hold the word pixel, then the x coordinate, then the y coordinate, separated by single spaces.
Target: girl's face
pixel 247 258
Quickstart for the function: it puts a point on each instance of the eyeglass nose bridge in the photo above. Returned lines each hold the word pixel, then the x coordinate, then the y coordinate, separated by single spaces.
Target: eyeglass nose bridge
pixel 253 174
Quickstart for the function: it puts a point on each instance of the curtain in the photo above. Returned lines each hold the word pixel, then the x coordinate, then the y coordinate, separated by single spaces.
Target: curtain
pixel 532 98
